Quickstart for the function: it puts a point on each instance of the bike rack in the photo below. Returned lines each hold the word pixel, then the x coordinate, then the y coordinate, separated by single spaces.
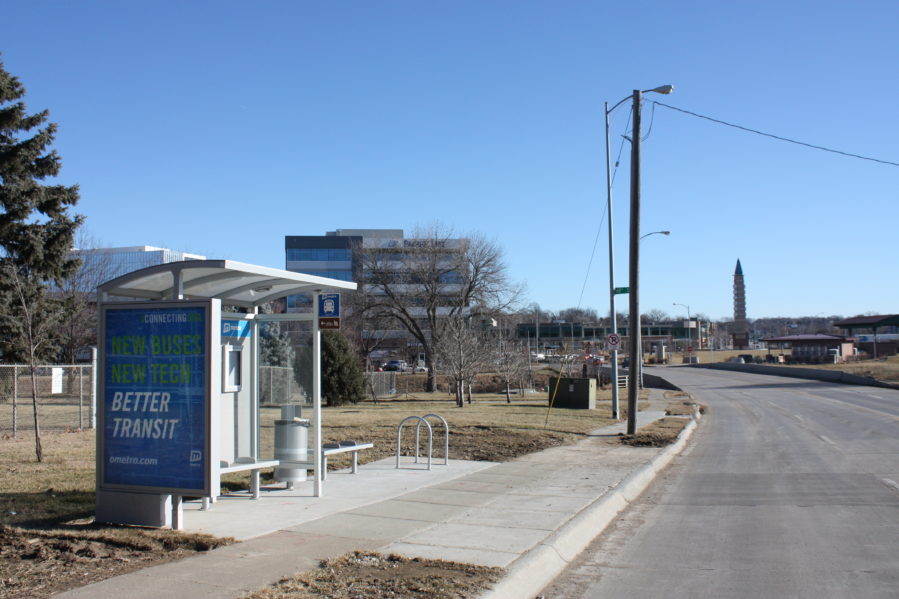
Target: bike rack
pixel 445 440
pixel 399 436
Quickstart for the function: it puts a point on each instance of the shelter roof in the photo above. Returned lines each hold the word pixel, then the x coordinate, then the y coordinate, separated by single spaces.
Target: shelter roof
pixel 806 338
pixel 235 283
pixel 861 322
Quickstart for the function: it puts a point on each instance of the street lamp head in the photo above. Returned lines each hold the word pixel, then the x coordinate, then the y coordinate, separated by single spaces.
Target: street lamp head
pixel 662 89
pixel 665 232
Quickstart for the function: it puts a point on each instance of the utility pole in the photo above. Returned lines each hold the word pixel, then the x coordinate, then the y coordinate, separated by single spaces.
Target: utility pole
pixel 634 282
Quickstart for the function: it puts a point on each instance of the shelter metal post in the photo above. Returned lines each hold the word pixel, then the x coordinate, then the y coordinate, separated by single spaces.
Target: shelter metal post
pixel 316 396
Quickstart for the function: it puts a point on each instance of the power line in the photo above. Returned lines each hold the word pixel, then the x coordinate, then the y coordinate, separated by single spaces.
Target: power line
pixel 778 137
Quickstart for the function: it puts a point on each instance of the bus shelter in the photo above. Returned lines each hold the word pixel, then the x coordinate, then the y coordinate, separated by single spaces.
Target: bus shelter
pixel 179 398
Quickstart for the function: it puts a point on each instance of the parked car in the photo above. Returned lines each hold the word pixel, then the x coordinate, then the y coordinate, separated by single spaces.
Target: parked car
pixel 396 366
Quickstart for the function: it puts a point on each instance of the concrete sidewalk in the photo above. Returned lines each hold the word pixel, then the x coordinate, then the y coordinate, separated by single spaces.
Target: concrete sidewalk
pixel 531 515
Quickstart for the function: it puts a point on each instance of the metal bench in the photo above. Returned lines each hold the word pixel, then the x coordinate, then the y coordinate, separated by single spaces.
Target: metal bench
pixel 242 465
pixel 342 447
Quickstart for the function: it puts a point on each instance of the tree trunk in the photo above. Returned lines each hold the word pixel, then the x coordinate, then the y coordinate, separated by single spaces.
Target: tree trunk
pixel 508 395
pixel 38 450
pixel 460 393
pixel 432 373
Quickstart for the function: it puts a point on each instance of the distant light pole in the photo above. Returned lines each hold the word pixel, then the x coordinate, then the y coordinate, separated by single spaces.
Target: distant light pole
pixel 642 237
pixel 689 323
pixel 634 245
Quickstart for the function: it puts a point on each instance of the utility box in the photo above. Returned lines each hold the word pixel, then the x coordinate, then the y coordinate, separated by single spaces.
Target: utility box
pixel 573 393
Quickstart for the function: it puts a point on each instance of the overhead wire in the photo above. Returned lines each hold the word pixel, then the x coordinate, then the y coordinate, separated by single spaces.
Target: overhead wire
pixel 777 137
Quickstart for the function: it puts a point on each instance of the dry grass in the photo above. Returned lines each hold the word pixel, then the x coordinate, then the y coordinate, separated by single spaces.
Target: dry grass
pixel 360 574
pixel 883 369
pixel 487 429
pixel 50 544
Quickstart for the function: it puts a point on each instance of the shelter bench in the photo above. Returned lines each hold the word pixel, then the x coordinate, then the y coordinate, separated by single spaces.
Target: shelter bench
pixel 253 466
pixel 342 447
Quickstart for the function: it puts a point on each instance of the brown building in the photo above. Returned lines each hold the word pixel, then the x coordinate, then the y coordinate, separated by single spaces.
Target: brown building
pixel 816 348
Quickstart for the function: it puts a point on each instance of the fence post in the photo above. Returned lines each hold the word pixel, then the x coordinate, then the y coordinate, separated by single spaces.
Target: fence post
pixel 81 398
pixel 94 375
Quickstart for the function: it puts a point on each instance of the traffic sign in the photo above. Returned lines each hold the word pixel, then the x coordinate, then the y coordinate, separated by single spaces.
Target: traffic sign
pixel 613 341
pixel 620 290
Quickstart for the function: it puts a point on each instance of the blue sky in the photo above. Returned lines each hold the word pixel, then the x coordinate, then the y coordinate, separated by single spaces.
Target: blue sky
pixel 221 127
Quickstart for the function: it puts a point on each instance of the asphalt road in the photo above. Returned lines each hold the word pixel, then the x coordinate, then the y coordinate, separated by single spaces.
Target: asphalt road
pixel 789 489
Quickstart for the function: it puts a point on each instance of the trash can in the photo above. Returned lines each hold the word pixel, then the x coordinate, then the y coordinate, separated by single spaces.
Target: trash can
pixel 291 444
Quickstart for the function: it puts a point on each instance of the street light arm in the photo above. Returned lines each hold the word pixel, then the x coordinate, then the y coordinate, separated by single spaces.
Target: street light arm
pixel 662 89
pixel 619 103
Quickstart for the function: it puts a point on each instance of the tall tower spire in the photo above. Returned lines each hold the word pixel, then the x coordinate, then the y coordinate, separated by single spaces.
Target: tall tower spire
pixel 740 330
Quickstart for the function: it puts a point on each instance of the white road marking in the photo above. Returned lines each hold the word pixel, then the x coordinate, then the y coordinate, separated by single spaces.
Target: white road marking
pixel 847 404
pixel 826 440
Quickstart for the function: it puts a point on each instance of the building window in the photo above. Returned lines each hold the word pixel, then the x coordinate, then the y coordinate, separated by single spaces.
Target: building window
pixel 319 254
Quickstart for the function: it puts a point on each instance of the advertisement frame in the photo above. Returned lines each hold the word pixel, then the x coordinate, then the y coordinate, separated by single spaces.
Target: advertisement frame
pixel 209 327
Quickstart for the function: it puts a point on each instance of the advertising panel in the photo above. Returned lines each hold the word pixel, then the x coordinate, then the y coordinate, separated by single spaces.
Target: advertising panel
pixel 154 412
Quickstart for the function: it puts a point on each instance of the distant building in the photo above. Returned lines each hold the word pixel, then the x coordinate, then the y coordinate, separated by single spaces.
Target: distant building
pixel 104 264
pixel 878 335
pixel 347 254
pixel 816 348
pixel 657 338
pixel 740 329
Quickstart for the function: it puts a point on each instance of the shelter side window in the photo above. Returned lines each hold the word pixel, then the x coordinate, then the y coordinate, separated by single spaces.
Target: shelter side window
pixel 231 373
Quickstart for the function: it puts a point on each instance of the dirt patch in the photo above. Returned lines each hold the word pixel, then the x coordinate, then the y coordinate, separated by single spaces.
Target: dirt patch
pixel 658 434
pixel 683 407
pixel 40 563
pixel 360 575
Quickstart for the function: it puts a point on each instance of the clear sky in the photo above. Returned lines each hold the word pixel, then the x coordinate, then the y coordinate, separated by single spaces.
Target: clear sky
pixel 220 127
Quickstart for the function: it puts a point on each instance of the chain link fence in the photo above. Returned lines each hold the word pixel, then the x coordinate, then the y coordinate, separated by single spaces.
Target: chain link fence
pixel 278 386
pixel 64 397
pixel 380 384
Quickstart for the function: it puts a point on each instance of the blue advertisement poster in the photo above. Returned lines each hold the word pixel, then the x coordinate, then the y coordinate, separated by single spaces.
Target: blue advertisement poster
pixel 154 400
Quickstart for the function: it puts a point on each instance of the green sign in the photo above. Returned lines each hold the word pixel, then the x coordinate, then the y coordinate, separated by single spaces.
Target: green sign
pixel 620 290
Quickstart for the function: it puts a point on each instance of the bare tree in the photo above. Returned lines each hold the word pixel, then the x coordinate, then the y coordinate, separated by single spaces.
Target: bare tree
pixel 434 280
pixel 35 319
pixel 78 294
pixel 512 363
pixel 463 353
pixel 581 315
pixel 364 326
pixel 655 315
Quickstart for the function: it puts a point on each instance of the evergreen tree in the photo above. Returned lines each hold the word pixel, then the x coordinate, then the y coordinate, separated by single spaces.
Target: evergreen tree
pixel 342 378
pixel 36 232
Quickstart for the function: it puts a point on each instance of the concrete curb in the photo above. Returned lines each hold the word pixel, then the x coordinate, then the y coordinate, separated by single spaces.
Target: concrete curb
pixel 814 374
pixel 541 565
